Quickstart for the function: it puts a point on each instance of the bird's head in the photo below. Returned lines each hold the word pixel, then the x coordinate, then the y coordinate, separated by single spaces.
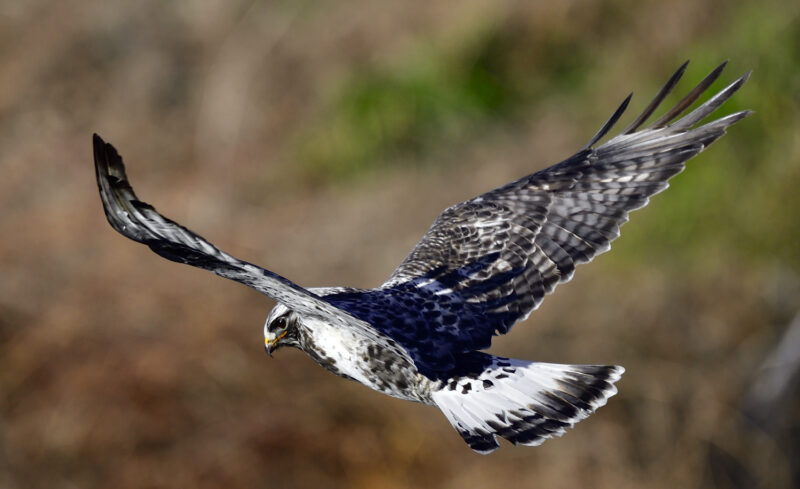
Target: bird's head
pixel 280 329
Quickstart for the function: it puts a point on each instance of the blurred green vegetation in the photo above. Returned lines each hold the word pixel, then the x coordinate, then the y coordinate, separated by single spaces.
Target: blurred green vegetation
pixel 754 173
pixel 441 95
pixel 438 96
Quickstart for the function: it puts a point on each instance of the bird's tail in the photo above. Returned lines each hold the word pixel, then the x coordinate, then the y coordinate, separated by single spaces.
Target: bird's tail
pixel 524 402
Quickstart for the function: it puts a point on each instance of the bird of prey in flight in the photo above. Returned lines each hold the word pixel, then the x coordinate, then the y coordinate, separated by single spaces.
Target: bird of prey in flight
pixel 483 266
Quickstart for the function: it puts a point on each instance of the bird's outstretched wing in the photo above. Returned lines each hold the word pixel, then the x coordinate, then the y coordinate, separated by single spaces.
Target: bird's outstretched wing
pixel 503 251
pixel 140 222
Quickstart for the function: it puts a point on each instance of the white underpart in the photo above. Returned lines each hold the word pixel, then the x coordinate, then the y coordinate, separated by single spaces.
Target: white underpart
pixel 341 345
pixel 347 349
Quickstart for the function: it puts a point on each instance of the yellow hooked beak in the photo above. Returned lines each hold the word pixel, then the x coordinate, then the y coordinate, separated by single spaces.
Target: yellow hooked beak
pixel 271 344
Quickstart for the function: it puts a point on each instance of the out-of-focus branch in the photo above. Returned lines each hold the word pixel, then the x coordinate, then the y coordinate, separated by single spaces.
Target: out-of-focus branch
pixel 776 380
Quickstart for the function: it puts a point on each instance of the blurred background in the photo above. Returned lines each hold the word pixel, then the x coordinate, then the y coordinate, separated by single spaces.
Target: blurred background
pixel 321 139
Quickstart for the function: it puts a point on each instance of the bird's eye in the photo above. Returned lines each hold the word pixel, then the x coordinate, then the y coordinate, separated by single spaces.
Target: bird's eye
pixel 280 323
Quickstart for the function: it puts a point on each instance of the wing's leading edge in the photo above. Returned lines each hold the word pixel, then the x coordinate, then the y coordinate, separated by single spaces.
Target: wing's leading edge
pixel 140 222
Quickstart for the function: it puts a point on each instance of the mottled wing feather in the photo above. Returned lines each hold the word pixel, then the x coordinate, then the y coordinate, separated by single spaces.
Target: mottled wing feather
pixel 535 230
pixel 140 222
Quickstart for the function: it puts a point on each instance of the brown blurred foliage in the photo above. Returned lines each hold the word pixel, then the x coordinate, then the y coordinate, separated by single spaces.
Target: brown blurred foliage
pixel 119 369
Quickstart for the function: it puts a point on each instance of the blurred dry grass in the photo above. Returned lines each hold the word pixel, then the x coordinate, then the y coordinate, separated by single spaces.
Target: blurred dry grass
pixel 282 132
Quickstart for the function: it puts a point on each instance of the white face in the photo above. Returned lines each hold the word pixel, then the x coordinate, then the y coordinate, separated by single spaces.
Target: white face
pixel 276 312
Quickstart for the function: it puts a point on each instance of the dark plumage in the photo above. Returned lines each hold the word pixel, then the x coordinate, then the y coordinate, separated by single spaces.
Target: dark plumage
pixel 483 266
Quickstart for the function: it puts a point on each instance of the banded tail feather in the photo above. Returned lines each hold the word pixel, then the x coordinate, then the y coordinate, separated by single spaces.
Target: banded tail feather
pixel 524 402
